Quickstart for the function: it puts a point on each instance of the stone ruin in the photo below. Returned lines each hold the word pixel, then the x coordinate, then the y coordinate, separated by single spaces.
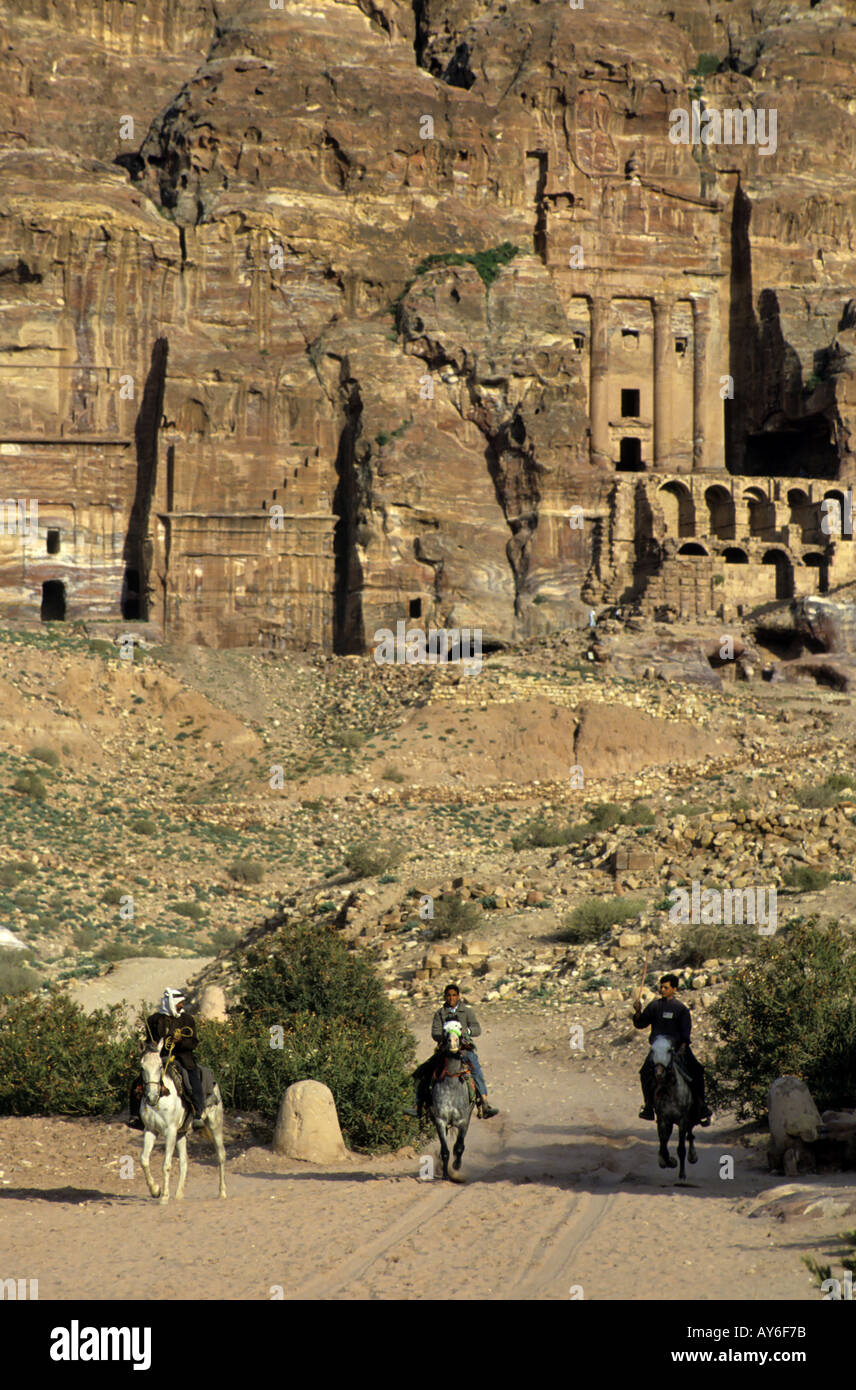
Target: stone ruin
pixel 257 397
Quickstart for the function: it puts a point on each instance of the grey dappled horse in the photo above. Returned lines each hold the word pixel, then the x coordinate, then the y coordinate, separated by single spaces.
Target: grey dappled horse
pixel 452 1101
pixel 674 1105
pixel 165 1113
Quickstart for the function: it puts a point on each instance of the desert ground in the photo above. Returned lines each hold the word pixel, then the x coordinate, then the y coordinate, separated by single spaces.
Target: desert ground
pixel 161 782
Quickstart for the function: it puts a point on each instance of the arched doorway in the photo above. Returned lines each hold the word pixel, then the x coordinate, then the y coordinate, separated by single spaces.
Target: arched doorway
pixel 733 555
pixel 53 601
pixel 762 513
pixel 678 510
pixel 821 564
pixel 692 548
pixel 720 508
pixel 784 572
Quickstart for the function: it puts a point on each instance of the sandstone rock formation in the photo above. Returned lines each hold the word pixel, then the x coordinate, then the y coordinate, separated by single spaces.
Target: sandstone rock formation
pixel 320 316
pixel 307 1126
pixel 794 1122
pixel 212 1004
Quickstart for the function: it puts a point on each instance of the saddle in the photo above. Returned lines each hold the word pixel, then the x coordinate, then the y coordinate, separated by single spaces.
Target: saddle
pixel 463 1074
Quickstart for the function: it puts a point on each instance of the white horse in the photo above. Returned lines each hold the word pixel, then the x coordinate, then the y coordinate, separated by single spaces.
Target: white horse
pixel 164 1112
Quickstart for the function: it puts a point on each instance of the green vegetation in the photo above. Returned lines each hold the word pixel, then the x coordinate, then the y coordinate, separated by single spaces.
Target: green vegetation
pixel 805 879
pixel 30 784
pixel 144 825
pixel 370 857
pixel 16 976
pixel 55 1059
pixel 591 918
pixel 790 1011
pixel 828 793
pixel 454 915
pixel 603 815
pixel 706 64
pixel 246 871
pixel 714 941
pixel 45 755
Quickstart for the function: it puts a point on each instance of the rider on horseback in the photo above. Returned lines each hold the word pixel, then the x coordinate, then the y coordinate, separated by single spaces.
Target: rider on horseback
pixel 178 1029
pixel 452 1010
pixel 668 1017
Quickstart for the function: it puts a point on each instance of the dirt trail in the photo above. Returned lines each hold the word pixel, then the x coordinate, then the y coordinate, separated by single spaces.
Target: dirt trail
pixel 563 1191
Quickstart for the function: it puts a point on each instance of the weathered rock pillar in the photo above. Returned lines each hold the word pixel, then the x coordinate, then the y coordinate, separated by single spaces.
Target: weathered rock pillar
pixel 599 384
pixel 707 405
pixel 663 381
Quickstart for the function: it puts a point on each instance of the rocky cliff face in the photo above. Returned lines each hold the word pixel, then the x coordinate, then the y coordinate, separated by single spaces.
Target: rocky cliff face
pixel 317 317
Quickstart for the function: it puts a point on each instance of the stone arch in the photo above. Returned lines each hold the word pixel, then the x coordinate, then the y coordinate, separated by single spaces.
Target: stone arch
pixel 735 555
pixel 815 560
pixel 692 548
pixel 676 502
pixel 784 572
pixel 762 513
pixel 722 521
pixel 801 512
pixel 833 516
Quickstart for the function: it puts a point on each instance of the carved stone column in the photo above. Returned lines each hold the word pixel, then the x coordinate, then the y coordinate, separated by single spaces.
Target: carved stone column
pixel 664 368
pixel 601 451
pixel 708 432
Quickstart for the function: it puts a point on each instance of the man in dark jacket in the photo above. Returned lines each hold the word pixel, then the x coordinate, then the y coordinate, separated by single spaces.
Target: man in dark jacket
pixel 668 1017
pixel 464 1014
pixel 168 1022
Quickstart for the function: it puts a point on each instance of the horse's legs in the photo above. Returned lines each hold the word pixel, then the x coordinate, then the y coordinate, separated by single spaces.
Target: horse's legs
pixel 214 1120
pixel 167 1161
pixel 148 1145
pixel 440 1126
pixel 682 1150
pixel 459 1146
pixel 691 1153
pixel 664 1129
pixel 182 1166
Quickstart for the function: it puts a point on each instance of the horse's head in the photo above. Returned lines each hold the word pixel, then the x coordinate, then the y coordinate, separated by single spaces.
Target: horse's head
pixel 151 1066
pixel 453 1031
pixel 662 1056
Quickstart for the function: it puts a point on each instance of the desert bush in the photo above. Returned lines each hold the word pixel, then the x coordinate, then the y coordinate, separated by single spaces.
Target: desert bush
pixel 30 784
pixel 541 834
pixel 392 774
pixel 12 874
pixel 590 919
pixel 55 1059
pixel 46 755
pixel 816 797
pixel 714 941
pixel 190 909
pixel 349 738
pixel 790 1011
pixel 368 858
pixel 112 896
pixel 143 825
pixel 16 976
pixel 307 968
pixel 222 938
pixel 117 950
pixel 366 1068
pixel 453 916
pixel 246 871
pixel 805 879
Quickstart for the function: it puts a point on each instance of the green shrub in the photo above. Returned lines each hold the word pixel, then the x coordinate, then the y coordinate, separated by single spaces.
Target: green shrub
pixel 16 977
pixel 30 784
pixel 542 834
pixel 392 774
pixel 366 1068
pixel 828 793
pixel 790 1011
pixel 11 874
pixel 714 941
pixel 246 871
pixel 590 919
pixel 191 909
pixel 222 938
pixel 349 738
pixel 805 879
pixel 307 968
pixel 112 896
pixel 143 825
pixel 368 858
pixel 46 755
pixel 84 939
pixel 454 915
pixel 117 950
pixel 55 1059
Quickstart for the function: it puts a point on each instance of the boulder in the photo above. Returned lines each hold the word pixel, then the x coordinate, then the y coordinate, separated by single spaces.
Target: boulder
pixel 307 1126
pixel 212 1004
pixel 795 1124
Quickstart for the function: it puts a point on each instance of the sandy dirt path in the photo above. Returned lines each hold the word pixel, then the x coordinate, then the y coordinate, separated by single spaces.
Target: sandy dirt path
pixel 563 1192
